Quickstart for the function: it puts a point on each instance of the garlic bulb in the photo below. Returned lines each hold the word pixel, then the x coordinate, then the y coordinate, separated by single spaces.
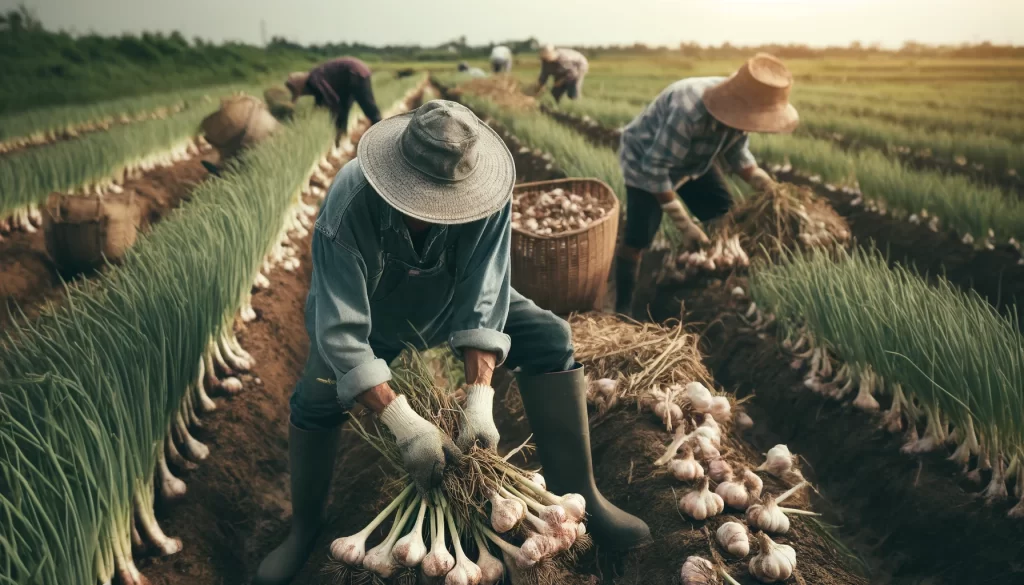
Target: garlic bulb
pixel 708 452
pixel 687 468
pixel 734 494
pixel 720 408
pixel 698 571
pixel 732 536
pixel 710 429
pixel 743 421
pixel 719 470
pixel 667 412
pixel 778 460
pixel 773 562
pixel 699 396
pixel 753 483
pixel 505 513
pixel 768 517
pixel 701 503
pixel 410 549
pixel 491 568
pixel 539 480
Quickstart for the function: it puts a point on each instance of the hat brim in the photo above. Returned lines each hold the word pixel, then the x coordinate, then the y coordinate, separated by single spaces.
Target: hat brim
pixel 732 110
pixel 487 190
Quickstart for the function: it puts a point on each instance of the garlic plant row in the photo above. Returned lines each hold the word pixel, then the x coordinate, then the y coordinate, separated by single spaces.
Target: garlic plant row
pixel 29 218
pixel 73 130
pixel 546 524
pixel 827 375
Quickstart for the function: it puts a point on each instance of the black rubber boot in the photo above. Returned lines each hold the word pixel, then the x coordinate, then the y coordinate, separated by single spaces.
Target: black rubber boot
pixel 312 457
pixel 556 406
pixel 625 282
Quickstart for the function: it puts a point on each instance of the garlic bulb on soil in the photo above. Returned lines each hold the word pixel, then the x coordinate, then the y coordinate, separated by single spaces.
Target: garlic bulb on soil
pixel 708 451
pixel 699 396
pixel 773 562
pixel 721 409
pixel 732 536
pixel 701 503
pixel 687 468
pixel 778 461
pixel 743 421
pixel 719 470
pixel 753 483
pixel 698 571
pixel 736 494
pixel 768 517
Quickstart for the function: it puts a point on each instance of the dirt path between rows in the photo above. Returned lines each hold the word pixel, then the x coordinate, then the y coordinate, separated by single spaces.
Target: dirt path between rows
pixel 29 279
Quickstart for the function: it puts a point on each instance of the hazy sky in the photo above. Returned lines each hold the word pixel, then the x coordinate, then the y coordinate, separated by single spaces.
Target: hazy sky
pixel 815 22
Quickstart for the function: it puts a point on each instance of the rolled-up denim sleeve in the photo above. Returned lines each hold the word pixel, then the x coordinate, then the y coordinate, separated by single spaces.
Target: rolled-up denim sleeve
pixel 482 287
pixel 342 319
pixel 739 156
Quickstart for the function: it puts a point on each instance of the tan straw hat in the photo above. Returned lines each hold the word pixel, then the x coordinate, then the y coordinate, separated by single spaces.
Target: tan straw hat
pixel 296 82
pixel 548 53
pixel 755 98
pixel 439 164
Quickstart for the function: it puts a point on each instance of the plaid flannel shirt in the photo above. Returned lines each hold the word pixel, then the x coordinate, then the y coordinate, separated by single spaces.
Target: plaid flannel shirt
pixel 676 137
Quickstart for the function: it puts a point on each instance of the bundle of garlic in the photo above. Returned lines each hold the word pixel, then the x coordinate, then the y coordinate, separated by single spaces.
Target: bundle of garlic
pixel 27 219
pixel 528 525
pixel 723 254
pixel 705 439
pixel 552 212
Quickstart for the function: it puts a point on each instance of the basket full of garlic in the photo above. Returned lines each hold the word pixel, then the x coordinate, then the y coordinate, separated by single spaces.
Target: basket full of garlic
pixel 563 241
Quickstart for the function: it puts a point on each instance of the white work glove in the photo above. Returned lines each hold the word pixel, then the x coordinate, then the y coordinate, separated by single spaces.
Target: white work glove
pixel 477 425
pixel 425 449
pixel 693 236
pixel 761 180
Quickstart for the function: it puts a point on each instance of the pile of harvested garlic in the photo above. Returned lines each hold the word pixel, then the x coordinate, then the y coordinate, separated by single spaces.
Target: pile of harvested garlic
pixel 554 212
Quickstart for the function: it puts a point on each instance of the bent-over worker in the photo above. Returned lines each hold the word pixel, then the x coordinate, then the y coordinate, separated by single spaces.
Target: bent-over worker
pixel 411 246
pixel 669 151
pixel 501 59
pixel 335 85
pixel 568 67
pixel 466 68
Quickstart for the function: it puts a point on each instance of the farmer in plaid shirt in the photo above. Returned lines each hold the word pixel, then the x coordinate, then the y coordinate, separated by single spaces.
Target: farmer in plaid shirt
pixel 669 152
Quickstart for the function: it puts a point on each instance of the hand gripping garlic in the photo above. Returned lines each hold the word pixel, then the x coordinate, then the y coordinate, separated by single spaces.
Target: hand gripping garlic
pixel 732 536
pixel 773 562
pixel 699 396
pixel 698 571
pixel 701 503
pixel 687 468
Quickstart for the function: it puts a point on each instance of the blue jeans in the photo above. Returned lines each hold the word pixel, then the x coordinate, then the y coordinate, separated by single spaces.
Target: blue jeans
pixel 541 344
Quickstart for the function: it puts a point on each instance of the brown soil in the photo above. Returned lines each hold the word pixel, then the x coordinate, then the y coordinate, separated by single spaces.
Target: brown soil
pixel 913 513
pixel 29 279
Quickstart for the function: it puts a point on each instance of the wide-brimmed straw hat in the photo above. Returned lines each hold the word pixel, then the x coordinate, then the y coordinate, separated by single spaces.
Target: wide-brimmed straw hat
pixel 296 82
pixel 755 98
pixel 438 164
pixel 548 53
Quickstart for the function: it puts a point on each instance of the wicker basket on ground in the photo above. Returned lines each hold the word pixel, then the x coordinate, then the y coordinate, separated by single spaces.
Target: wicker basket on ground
pixel 85 231
pixel 241 121
pixel 568 271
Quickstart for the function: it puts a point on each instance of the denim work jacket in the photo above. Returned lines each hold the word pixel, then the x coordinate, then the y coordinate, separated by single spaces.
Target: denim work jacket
pixel 371 293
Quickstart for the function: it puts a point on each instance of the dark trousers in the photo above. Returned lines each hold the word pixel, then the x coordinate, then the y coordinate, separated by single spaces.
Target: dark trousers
pixel 707 197
pixel 541 344
pixel 570 87
pixel 361 92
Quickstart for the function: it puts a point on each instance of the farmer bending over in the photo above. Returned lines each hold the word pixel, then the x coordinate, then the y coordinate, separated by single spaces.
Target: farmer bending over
pixel 567 67
pixel 412 247
pixel 465 67
pixel 335 85
pixel 670 150
pixel 501 59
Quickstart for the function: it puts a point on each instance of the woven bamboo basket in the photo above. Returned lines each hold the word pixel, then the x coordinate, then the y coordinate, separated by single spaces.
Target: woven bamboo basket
pixel 567 272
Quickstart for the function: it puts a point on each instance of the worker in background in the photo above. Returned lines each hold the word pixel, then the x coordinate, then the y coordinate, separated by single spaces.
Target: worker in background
pixel 464 67
pixel 669 151
pixel 335 85
pixel 567 67
pixel 412 246
pixel 501 59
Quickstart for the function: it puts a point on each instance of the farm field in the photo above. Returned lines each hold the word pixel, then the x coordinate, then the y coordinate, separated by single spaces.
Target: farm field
pixel 144 408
